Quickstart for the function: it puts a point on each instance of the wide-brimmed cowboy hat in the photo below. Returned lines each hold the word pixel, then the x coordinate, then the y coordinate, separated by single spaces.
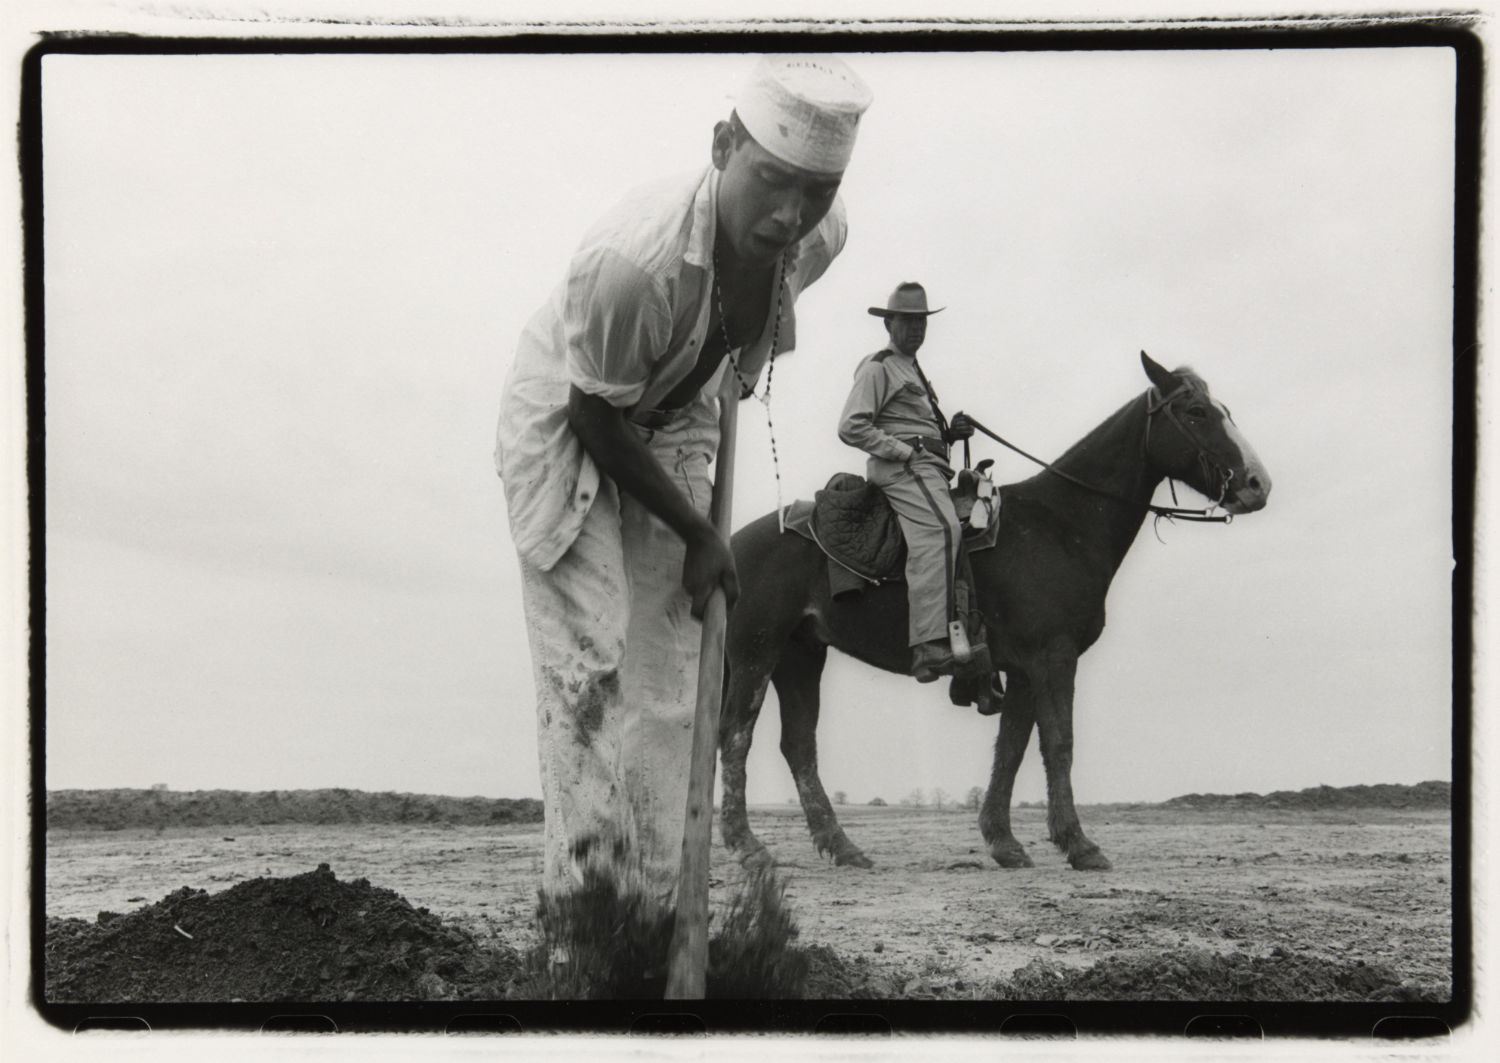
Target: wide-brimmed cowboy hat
pixel 908 298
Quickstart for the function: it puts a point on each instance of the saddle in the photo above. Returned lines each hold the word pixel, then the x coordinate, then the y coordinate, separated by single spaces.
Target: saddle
pixel 851 521
pixel 856 527
pixel 853 524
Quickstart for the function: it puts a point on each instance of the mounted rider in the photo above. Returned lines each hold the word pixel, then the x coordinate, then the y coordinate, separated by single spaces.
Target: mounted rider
pixel 892 414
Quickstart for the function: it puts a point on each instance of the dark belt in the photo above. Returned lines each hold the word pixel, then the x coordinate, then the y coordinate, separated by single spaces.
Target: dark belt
pixel 655 418
pixel 927 443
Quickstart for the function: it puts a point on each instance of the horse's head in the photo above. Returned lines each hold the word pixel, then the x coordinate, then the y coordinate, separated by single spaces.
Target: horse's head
pixel 1191 437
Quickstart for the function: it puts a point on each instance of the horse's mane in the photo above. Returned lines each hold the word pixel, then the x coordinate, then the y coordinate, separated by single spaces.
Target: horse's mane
pixel 1109 427
pixel 1190 376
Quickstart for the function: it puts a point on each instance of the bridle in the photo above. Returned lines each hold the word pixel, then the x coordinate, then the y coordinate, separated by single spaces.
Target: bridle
pixel 1155 402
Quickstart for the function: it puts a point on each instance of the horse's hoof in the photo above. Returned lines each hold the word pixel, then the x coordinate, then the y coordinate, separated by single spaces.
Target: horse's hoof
pixel 1010 855
pixel 1090 860
pixel 853 858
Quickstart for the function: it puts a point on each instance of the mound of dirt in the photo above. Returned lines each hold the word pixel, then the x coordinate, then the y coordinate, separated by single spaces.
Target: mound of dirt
pixel 305 938
pixel 313 938
pixel 1430 794
pixel 610 939
pixel 831 977
pixel 1203 975
pixel 121 809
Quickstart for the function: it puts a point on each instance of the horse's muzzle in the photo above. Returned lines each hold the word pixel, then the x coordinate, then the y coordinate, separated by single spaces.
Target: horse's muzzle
pixel 1249 496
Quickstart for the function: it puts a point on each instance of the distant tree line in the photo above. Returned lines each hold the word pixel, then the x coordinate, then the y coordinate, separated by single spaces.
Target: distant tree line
pixel 937 798
pixel 121 809
pixel 1431 794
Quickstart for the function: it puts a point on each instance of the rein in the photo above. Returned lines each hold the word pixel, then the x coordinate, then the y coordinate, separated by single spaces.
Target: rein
pixel 1203 516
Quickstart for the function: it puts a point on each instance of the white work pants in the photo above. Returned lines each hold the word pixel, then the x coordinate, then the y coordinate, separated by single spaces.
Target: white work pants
pixel 614 650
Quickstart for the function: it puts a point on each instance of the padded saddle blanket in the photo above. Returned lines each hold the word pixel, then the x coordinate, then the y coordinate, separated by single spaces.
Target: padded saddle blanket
pixel 851 521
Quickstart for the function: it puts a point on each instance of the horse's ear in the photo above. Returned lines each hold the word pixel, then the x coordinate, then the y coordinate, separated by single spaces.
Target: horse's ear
pixel 1159 375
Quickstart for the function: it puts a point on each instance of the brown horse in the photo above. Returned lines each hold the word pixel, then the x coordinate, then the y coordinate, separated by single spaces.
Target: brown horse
pixel 1062 536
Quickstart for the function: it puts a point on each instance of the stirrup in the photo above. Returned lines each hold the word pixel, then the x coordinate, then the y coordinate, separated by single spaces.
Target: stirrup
pixel 991 700
pixel 984 691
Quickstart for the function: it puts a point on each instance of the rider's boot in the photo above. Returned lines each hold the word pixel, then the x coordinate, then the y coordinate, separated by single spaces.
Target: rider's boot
pixel 931 659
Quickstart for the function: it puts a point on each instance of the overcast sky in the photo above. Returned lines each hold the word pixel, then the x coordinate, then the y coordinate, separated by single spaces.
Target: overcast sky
pixel 283 293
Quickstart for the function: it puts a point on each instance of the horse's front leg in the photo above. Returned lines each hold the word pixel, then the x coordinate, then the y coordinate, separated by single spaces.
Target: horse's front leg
pixel 797 677
pixel 1016 722
pixel 1054 719
pixel 744 692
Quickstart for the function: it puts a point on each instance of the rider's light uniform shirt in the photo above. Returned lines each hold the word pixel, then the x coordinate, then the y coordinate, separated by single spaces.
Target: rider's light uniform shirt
pixel 627 323
pixel 886 405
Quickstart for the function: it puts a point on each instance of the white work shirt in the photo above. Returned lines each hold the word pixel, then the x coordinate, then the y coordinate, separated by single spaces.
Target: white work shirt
pixel 627 323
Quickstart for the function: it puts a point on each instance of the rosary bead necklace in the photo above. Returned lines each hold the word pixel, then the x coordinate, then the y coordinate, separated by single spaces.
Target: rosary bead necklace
pixel 747 387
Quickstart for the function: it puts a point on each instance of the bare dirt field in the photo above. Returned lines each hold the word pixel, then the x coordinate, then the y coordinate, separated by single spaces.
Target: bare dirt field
pixel 1260 903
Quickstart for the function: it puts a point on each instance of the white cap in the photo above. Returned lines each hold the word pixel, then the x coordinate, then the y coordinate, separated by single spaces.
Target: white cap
pixel 804 109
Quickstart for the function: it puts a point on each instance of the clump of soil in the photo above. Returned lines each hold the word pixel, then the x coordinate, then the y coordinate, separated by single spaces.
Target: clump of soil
pixel 1203 975
pixel 831 977
pixel 751 953
pixel 305 938
pixel 611 940
pixel 313 938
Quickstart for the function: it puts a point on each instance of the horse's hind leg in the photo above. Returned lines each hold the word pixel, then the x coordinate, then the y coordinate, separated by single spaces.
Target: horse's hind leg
pixel 1010 747
pixel 744 692
pixel 797 677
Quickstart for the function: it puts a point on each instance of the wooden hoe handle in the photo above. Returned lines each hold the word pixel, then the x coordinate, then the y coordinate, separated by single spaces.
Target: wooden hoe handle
pixel 688 959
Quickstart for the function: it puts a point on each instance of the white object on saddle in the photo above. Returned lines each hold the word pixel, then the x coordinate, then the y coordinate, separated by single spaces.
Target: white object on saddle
pixel 986 501
pixel 958 640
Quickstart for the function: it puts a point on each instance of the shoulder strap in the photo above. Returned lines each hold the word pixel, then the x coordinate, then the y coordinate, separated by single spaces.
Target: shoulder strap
pixel 931 399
